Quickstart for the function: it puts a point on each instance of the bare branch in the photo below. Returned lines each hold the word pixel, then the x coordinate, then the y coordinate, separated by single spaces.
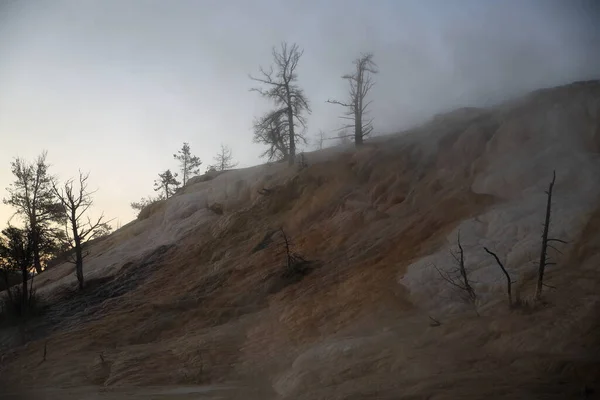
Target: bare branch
pixel 508 280
pixel 556 240
pixel 448 279
pixel 555 249
pixel 339 103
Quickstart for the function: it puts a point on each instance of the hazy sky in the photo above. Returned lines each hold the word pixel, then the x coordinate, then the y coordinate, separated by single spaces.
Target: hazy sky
pixel 115 86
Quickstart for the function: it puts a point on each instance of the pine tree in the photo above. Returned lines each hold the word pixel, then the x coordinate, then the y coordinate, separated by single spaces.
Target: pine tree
pixel 189 164
pixel 167 182
pixel 32 196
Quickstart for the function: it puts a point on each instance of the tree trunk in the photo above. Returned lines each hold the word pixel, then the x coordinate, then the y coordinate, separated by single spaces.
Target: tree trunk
pixel 7 283
pixel 543 263
pixel 79 267
pixel 78 250
pixel 37 262
pixel 290 115
pixel 185 171
pixel 24 289
pixel 358 134
pixel 358 137
pixel 79 262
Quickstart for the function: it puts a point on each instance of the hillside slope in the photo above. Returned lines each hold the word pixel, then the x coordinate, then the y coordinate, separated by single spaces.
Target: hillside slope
pixel 198 292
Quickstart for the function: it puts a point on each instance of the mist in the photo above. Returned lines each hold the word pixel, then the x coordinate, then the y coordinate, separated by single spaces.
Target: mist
pixel 115 87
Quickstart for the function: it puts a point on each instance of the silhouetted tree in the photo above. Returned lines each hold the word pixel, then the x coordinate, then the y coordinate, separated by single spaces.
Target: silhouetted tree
pixel 32 196
pixel 224 159
pixel 272 130
pixel 17 255
pixel 54 243
pixel 290 101
pixel 167 183
pixel 76 200
pixel 189 164
pixel 360 84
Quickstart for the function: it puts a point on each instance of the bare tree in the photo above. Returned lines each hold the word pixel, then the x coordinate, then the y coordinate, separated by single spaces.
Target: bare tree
pixel 32 196
pixel 320 139
pixel 295 262
pixel 508 280
pixel 224 159
pixel 281 88
pixel 167 183
pixel 458 277
pixel 360 83
pixel 189 164
pixel 272 130
pixel 76 200
pixel 545 241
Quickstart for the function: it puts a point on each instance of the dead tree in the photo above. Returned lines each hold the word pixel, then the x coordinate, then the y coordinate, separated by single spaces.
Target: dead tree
pixel 320 140
pixel 76 202
pixel 545 241
pixel 295 262
pixel 508 280
pixel 458 277
pixel 289 99
pixel 224 159
pixel 356 106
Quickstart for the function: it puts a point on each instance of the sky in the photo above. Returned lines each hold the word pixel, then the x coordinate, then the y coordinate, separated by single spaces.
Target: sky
pixel 114 87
